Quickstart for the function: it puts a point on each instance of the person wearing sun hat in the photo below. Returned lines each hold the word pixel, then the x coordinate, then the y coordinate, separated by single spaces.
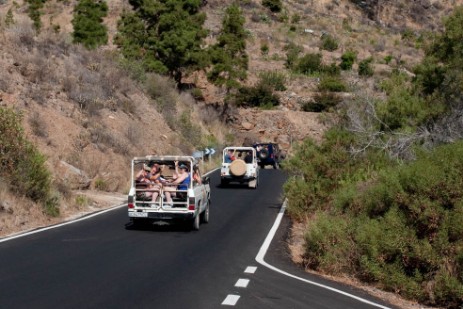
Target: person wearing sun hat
pixel 182 181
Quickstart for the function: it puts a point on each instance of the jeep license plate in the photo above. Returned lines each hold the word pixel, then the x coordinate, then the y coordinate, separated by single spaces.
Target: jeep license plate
pixel 138 214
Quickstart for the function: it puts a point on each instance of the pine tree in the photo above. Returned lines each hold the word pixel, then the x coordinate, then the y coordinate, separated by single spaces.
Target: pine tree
pixel 168 35
pixel 88 23
pixel 229 58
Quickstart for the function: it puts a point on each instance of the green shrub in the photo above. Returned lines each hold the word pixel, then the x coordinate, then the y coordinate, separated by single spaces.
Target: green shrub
pixel 297 191
pixel 387 59
pixel 258 96
pixel 292 54
pixel 283 17
pixel 346 24
pixel 274 79
pixel 331 83
pixel 331 69
pixel 322 166
pixel 403 110
pixel 295 19
pixel 365 68
pixel 407 35
pixel 347 60
pixel 328 244
pixel 449 289
pixel 273 5
pixel 422 200
pixel 329 43
pixel 308 64
pixel 21 163
pixel 264 49
pixel 197 94
pixel 51 205
pixel 81 200
pixel 101 184
pixel 189 130
pixel 322 101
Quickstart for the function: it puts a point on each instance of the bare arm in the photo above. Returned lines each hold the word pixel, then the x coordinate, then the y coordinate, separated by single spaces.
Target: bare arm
pixel 180 178
pixel 139 175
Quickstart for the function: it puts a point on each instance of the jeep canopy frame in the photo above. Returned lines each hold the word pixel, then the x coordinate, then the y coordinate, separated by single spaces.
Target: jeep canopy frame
pixel 167 167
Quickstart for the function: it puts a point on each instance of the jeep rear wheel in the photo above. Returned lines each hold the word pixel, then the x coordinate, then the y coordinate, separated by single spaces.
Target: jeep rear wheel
pixel 205 214
pixel 195 223
pixel 253 184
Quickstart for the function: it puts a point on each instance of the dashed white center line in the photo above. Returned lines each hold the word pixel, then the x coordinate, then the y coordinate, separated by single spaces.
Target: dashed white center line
pixel 242 283
pixel 250 269
pixel 231 300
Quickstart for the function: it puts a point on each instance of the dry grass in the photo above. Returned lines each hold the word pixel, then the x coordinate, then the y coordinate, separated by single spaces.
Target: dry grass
pixel 18 213
pixel 38 125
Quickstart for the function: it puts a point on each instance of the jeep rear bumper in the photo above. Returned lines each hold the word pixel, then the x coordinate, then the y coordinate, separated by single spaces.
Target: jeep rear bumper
pixel 164 215
pixel 238 179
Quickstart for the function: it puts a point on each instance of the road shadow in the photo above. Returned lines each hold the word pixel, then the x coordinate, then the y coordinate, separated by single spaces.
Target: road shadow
pixel 233 186
pixel 160 226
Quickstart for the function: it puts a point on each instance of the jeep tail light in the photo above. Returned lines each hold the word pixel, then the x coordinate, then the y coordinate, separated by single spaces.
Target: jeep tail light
pixel 191 203
pixel 130 205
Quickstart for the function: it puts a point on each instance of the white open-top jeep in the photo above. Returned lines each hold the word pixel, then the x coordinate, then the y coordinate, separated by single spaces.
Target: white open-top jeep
pixel 239 164
pixel 155 196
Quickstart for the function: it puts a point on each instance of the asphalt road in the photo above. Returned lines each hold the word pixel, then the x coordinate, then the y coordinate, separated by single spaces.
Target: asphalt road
pixel 98 263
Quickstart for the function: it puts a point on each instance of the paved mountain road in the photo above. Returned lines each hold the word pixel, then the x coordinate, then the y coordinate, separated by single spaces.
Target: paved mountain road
pixel 97 263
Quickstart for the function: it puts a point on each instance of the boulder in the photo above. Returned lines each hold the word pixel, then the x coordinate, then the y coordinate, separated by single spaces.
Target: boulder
pixel 75 178
pixel 283 139
pixel 247 125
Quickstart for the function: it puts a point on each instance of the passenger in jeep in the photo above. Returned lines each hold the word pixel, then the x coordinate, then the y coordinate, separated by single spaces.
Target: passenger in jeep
pixel 149 178
pixel 181 182
pixel 196 175
pixel 248 157
pixel 156 181
pixel 230 156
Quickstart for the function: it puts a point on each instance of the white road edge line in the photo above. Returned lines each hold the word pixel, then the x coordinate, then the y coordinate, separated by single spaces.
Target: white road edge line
pixel 231 300
pixel 242 283
pixel 85 217
pixel 263 250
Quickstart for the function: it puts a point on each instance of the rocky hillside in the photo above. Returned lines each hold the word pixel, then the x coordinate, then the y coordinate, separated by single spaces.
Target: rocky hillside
pixel 402 14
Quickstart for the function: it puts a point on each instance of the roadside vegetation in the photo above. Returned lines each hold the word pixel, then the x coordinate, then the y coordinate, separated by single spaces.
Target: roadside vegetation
pixel 381 194
pixel 22 165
